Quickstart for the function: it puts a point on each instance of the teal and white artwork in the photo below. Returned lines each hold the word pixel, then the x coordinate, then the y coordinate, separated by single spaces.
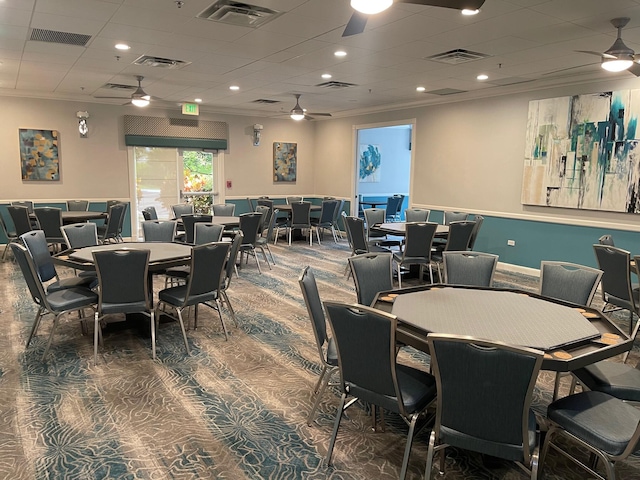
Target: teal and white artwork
pixel 370 159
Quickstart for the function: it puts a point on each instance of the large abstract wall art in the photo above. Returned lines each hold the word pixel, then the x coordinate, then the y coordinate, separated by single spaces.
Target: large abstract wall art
pixel 582 152
pixel 285 162
pixel 39 154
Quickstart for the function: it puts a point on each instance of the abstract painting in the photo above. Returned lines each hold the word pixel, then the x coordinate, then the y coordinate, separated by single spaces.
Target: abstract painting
pixel 285 162
pixel 39 158
pixel 582 152
pixel 369 163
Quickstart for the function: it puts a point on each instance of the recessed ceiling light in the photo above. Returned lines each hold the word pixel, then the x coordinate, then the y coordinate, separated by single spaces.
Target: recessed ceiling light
pixel 122 46
pixel 234 87
pixel 197 100
pixel 340 53
pixel 482 76
pixel 468 11
pixel 420 89
pixel 326 76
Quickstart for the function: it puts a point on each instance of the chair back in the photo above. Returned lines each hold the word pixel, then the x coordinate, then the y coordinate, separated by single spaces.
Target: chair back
pixel 29 272
pixel 311 297
pixel 291 200
pixel 365 340
pixel 338 211
pixel 418 240
pixel 484 394
pixel 469 268
pixel 7 232
pixel 372 273
pixel 266 216
pixel 207 272
pixel 111 203
pixel 301 215
pixel 207 233
pixel 356 235
pixel 150 213
pixel 328 212
pixel 80 235
pixel 114 220
pixel 231 260
pixel 159 230
pixel 50 221
pixel 394 204
pixel 454 217
pixel 459 235
pixel 416 215
pixel 606 240
pixel 20 218
pixel 250 227
pixel 36 244
pixel 615 264
pixel 569 282
pixel 476 229
pixel 265 202
pixel 271 225
pixel 24 203
pixel 224 209
pixel 182 209
pixel 124 280
pixel 77 205
pixel 189 221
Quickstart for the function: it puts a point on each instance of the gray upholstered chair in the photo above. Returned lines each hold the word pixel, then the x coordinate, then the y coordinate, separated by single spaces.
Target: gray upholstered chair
pixel 202 287
pixel 569 282
pixel 266 216
pixel 326 346
pixel 325 220
pixel 250 228
pixel 606 426
pixel 207 232
pixel 291 200
pixel 110 232
pixel 300 219
pixel 77 205
pixel 20 217
pixel 189 221
pixel 457 241
pixel 366 342
pixel 159 230
pixel 56 303
pixel 80 235
pixel 262 241
pixel 336 217
pixel 484 397
pixel 50 221
pixel 469 268
pixel 123 277
pixel 36 244
pixel 417 215
pixel 182 209
pixel 450 216
pixel 394 204
pixel 372 273
pixel 357 239
pixel 224 209
pixel 375 216
pixel 150 213
pixel 417 248
pixel 10 235
pixel 229 268
pixel 606 240
pixel 28 204
pixel 476 229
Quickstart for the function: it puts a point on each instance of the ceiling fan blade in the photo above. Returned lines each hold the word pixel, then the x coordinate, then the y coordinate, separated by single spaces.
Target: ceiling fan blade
pixel 599 54
pixel 115 98
pixel 356 24
pixel 456 4
pixel 328 114
pixel 572 68
pixel 634 69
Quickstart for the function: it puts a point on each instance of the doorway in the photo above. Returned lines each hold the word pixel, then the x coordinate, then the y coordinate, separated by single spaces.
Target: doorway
pixel 384 157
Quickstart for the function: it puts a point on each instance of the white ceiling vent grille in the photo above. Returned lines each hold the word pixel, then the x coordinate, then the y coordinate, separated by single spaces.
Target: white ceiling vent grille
pixel 236 13
pixel 334 84
pixel 458 56
pixel 53 36
pixel 159 62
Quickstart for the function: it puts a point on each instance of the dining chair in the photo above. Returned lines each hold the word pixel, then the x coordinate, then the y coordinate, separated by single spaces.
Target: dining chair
pixel 375 216
pixel 189 221
pixel 336 216
pixel 300 219
pixel 77 205
pixel 264 202
pixel 357 240
pixel 416 215
pixel 291 200
pixel 479 219
pixel 469 268
pixel 202 287
pixel 10 235
pixel 569 282
pixel 249 226
pixel 372 273
pixel 224 209
pixel 326 346
pixel 123 278
pixel 484 397
pixel 150 213
pixel 365 340
pixel 109 232
pixel 21 220
pixel 50 221
pixel 417 249
pixel 262 241
pixel 28 204
pixel 604 425
pixel 325 220
pixel 606 240
pixel 56 303
pixel 457 241
pixel 266 216
pixel 229 268
pixel 394 204
pixel 79 235
pixel 182 209
pixel 450 216
pixel 36 244
pixel 159 230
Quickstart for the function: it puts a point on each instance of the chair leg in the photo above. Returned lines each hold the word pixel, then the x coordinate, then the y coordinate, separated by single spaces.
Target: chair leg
pixel 407 448
pixel 255 255
pixel 336 425
pixel 224 326
pixel 399 268
pixel 225 299
pixel 430 452
pixel 36 324
pixel 53 329
pixel 96 334
pixel 184 332
pixel 153 333
pixel 556 387
pixel 325 376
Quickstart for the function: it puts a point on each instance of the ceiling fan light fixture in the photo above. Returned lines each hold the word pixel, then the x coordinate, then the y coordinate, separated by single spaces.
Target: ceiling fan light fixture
pixel 470 11
pixel 140 102
pixel 297 116
pixel 617 64
pixel 371 7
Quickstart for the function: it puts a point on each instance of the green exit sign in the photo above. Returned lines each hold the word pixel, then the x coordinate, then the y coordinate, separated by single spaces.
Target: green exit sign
pixel 190 109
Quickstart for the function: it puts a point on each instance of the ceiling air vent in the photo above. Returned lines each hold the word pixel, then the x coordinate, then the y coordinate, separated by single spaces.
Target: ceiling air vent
pixel 446 91
pixel 334 84
pixel 236 13
pixel 159 62
pixel 53 36
pixel 265 101
pixel 118 86
pixel 455 57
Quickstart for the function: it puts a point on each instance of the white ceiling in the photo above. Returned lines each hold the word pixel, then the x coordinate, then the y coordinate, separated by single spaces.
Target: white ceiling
pixel 526 40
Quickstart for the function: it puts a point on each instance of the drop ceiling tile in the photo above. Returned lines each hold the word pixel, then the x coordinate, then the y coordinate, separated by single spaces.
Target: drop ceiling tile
pixel 14 16
pixel 66 24
pixel 19 4
pixel 85 9
pixel 199 27
pixel 11 32
pixel 588 8
pixel 155 19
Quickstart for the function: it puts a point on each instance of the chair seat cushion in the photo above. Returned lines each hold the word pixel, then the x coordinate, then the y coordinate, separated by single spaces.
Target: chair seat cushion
pixel 182 271
pixel 418 388
pixel 605 422
pixel 72 282
pixel 71 298
pixel 617 379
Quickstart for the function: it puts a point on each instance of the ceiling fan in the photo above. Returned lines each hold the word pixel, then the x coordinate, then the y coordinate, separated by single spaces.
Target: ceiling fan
pixel 299 113
pixel 364 8
pixel 618 57
pixel 139 98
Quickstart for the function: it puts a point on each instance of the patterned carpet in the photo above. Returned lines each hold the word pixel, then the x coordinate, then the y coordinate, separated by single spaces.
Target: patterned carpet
pixel 232 410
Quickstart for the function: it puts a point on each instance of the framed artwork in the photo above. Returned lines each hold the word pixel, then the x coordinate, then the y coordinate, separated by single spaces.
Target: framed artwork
pixel 583 152
pixel 39 159
pixel 285 162
pixel 370 159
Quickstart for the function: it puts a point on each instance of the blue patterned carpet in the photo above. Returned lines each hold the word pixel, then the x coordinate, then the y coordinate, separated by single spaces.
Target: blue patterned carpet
pixel 232 410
